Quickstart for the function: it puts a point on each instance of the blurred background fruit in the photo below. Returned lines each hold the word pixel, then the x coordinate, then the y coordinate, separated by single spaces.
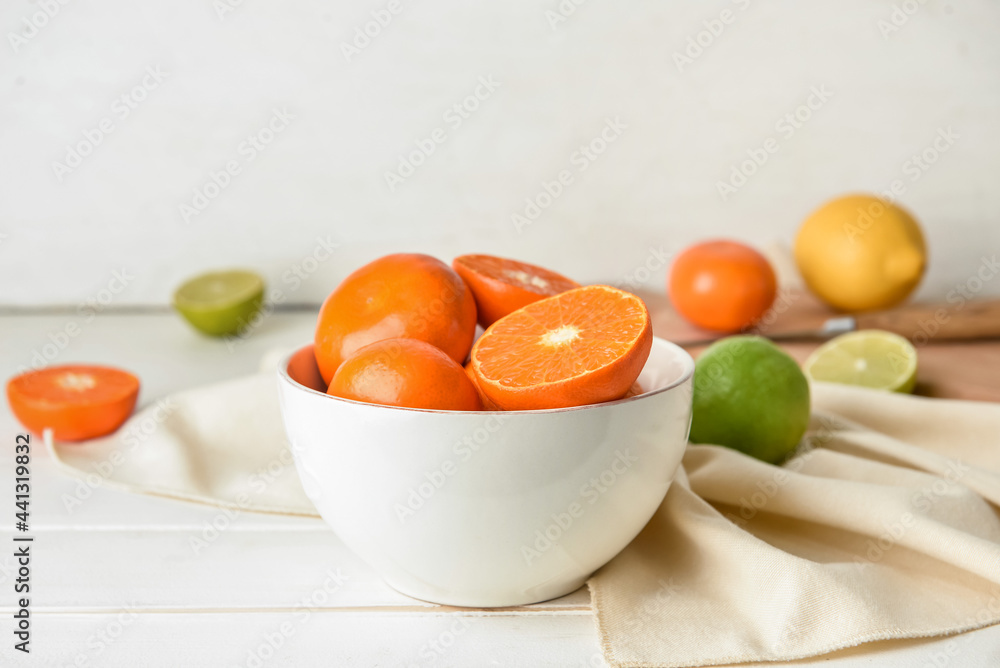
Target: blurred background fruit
pixel 751 396
pixel 401 295
pixel 220 303
pixel 859 253
pixel 870 358
pixel 723 286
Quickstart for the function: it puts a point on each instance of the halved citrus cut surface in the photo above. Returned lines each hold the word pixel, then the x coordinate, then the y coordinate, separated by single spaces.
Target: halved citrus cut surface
pixel 220 303
pixel 502 286
pixel 870 358
pixel 580 347
pixel 487 402
pixel 76 401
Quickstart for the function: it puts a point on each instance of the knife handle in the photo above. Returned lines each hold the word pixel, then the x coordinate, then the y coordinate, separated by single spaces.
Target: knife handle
pixel 977 319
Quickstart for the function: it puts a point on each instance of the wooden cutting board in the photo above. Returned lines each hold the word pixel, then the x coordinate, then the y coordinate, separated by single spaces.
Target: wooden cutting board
pixel 945 369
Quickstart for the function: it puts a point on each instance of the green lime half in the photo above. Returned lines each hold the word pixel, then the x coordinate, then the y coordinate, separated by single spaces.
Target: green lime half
pixel 220 303
pixel 870 358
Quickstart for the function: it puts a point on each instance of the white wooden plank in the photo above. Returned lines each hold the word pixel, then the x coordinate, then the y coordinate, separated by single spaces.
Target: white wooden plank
pixel 303 639
pixel 205 570
pixel 126 639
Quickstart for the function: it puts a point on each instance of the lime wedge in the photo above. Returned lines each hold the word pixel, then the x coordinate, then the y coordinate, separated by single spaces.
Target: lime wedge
pixel 869 358
pixel 220 303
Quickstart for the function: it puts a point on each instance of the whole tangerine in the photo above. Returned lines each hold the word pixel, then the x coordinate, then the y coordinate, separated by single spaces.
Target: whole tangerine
pixel 721 285
pixel 406 295
pixel 407 373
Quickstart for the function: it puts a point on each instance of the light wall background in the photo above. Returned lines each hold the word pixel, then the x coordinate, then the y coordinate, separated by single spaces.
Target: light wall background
pixel 651 192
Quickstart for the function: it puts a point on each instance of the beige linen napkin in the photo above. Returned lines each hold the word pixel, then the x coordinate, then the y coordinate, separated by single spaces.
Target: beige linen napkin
pixel 222 444
pixel 885 525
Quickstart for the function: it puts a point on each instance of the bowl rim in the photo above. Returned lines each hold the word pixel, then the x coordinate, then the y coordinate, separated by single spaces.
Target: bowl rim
pixel 682 355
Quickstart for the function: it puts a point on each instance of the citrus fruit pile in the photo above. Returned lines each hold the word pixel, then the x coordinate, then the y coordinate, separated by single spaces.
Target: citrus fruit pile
pixel 399 331
pixel 856 253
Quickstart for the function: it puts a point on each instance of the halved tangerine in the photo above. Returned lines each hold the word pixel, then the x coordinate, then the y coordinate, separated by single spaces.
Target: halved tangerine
pixel 580 347
pixel 502 286
pixel 77 401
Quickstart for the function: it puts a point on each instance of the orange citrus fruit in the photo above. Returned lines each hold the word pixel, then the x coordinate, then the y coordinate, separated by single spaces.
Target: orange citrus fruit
pixel 723 286
pixel 502 286
pixel 487 402
pixel 76 401
pixel 405 372
pixel 403 295
pixel 580 347
pixel 634 391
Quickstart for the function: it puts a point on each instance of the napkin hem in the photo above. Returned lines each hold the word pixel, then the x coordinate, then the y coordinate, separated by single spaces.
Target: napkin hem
pixel 848 643
pixel 166 493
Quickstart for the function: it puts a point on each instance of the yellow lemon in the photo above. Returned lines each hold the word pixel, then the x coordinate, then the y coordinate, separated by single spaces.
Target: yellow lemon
pixel 859 253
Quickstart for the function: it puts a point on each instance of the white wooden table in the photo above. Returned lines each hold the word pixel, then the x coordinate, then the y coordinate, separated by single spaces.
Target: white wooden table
pixel 116 582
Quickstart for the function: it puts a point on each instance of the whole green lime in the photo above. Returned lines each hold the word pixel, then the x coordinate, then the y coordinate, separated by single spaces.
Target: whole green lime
pixel 751 396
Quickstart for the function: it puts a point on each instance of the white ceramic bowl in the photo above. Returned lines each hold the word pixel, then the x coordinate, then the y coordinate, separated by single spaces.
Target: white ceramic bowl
pixel 488 509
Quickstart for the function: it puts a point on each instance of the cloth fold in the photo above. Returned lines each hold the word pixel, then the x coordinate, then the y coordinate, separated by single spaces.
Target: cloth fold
pixel 222 444
pixel 885 525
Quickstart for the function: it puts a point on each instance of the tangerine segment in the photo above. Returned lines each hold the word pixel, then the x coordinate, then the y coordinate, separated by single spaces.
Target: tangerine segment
pixel 581 347
pixel 405 372
pixel 502 286
pixel 76 401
